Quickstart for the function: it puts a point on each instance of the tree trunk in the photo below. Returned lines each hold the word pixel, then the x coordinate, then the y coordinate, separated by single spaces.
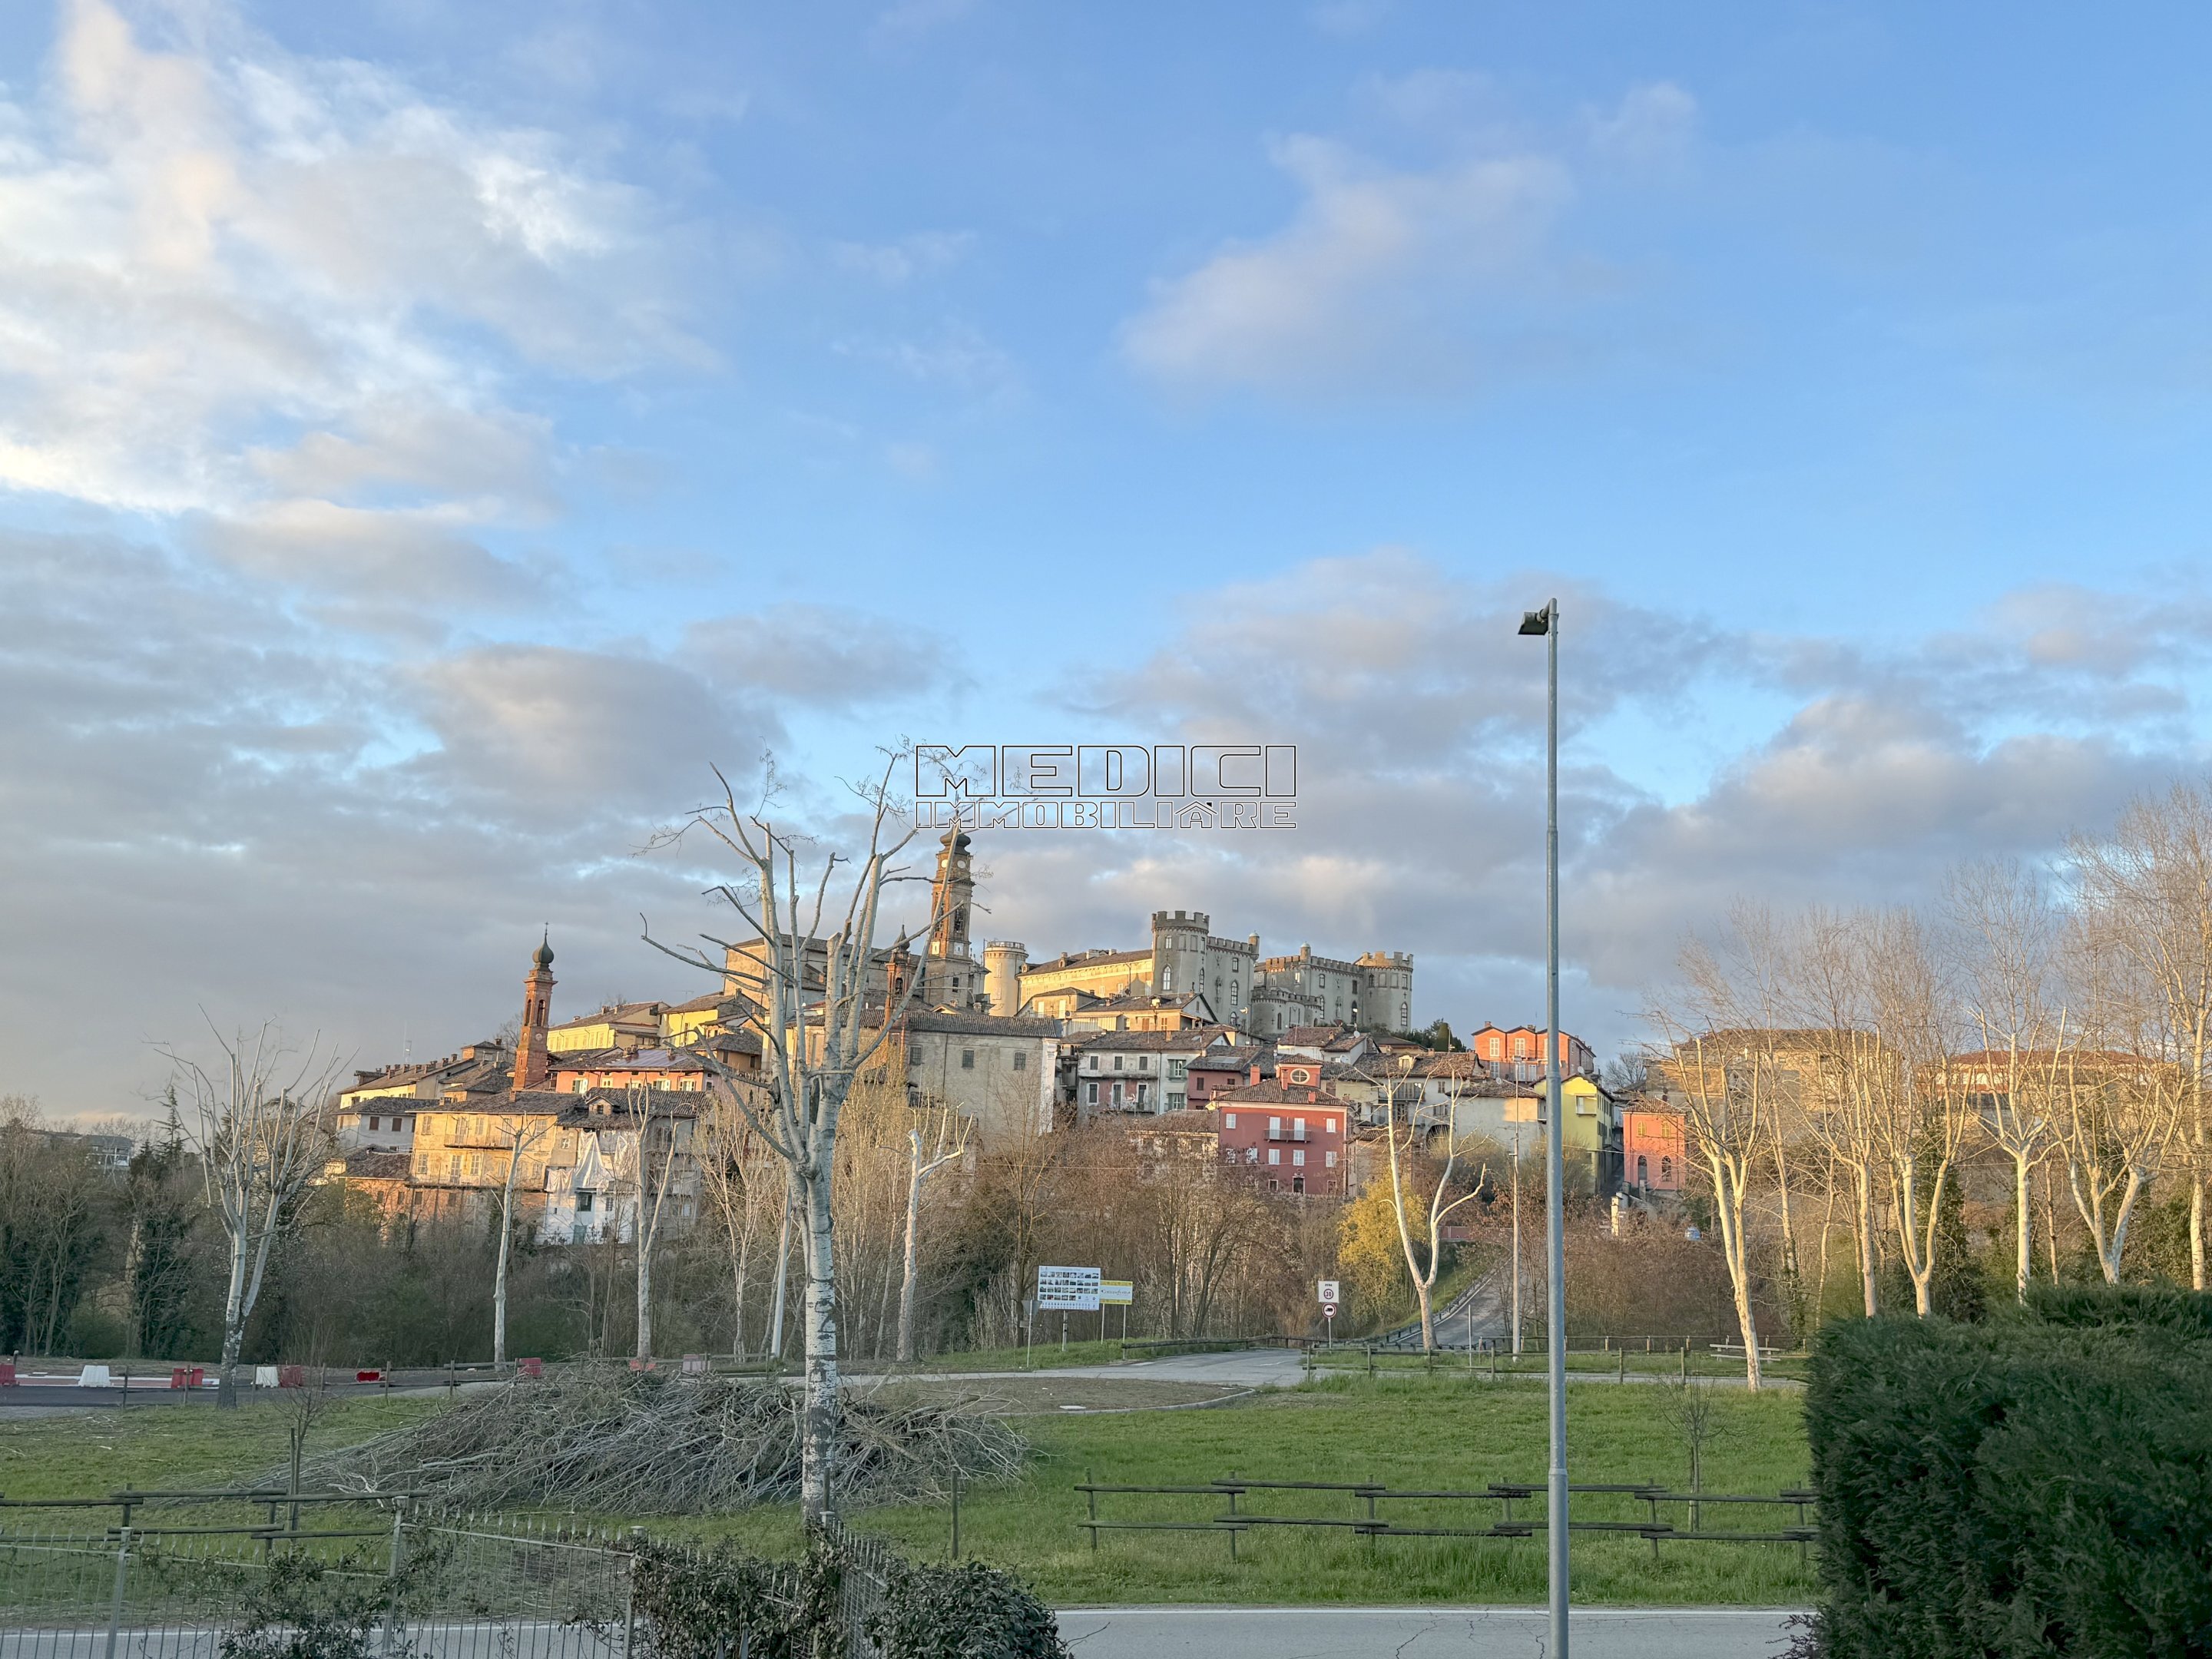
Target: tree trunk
pixel 1729 1206
pixel 913 1228
pixel 234 1324
pixel 498 1273
pixel 1864 1186
pixel 2023 1231
pixel 775 1307
pixel 644 1295
pixel 818 1440
pixel 2197 1221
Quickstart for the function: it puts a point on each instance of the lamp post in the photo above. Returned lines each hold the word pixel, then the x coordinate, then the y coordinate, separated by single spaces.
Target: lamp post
pixel 1547 624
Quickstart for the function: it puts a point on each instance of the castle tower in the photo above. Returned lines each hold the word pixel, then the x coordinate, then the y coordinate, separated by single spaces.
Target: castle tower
pixel 1385 990
pixel 532 1070
pixel 1003 961
pixel 1179 951
pixel 949 979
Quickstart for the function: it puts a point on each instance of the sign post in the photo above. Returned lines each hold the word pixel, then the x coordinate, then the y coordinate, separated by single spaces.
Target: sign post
pixel 1028 1330
pixel 1329 1298
pixel 1110 1291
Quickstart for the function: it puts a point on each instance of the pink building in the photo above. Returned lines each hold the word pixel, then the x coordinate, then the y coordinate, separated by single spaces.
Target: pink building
pixel 1289 1137
pixel 1650 1147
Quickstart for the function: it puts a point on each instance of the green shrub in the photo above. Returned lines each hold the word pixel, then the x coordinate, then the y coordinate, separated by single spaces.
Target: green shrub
pixel 2040 1484
pixel 695 1603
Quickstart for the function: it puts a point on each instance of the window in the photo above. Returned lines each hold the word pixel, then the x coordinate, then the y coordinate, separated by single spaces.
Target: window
pixel 1298 1127
pixel 1298 1183
pixel 1178 1067
pixel 1117 1094
pixel 1665 1168
pixel 1643 1170
pixel 583 1203
pixel 373 1124
pixel 1021 1061
pixel 1144 1092
pixel 1229 1119
pixel 1274 1126
pixel 1274 1154
pixel 1090 1094
pixel 1144 1062
pixel 1329 1159
pixel 1329 1124
pixel 1167 978
pixel 1299 1159
pixel 453 1167
pixel 967 1059
pixel 1251 1154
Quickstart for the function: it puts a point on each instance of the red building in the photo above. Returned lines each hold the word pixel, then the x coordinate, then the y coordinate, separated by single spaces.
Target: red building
pixel 1290 1138
pixel 1522 1047
pixel 1650 1147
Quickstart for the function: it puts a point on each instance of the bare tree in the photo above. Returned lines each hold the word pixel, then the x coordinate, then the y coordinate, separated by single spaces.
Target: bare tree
pixel 2150 884
pixel 1422 1268
pixel 2118 1107
pixel 657 1138
pixel 819 1030
pixel 1723 1069
pixel 1826 975
pixel 523 1133
pixel 950 1145
pixel 2007 931
pixel 736 1187
pixel 261 1130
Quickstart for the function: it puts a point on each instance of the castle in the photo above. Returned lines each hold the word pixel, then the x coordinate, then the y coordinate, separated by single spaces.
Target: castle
pixel 1191 974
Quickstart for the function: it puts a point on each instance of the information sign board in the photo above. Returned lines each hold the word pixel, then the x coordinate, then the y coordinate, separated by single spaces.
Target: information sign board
pixel 1072 1290
pixel 1117 1293
pixel 1328 1290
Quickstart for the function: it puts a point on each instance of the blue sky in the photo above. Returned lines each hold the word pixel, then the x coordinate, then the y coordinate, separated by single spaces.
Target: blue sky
pixel 430 435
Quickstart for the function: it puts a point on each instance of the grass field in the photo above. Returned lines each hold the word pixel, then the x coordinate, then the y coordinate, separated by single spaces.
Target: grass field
pixel 1410 1430
pixel 1701 1362
pixel 91 1453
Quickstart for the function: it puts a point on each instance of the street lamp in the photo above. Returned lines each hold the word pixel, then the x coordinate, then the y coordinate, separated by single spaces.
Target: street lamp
pixel 1546 623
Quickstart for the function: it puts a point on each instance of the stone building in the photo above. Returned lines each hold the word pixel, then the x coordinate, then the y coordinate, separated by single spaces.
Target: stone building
pixel 1241 991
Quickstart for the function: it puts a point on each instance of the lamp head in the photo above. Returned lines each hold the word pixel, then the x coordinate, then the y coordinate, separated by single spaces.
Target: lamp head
pixel 1537 622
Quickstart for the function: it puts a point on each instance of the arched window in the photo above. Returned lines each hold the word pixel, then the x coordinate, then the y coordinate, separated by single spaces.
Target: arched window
pixel 1642 1171
pixel 1667 1169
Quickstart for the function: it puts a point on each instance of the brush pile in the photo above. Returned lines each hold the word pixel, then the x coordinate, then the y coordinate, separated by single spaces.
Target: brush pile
pixel 595 1437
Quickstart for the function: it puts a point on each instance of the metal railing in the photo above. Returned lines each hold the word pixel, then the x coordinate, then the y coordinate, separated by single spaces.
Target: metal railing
pixel 1373 1525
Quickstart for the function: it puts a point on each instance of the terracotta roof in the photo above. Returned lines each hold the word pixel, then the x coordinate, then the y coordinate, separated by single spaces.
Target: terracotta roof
pixel 1276 1094
pixel 1087 959
pixel 931 1019
pixel 1312 1036
pixel 1194 1036
pixel 376 1166
pixel 1180 1123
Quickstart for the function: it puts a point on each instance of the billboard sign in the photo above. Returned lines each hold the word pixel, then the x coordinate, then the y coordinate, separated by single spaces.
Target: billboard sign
pixel 1117 1293
pixel 1070 1289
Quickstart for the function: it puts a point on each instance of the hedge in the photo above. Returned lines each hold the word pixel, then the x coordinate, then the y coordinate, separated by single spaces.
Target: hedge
pixel 694 1604
pixel 2040 1484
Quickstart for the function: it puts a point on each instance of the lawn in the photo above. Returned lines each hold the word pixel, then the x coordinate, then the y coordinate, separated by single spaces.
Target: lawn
pixel 92 1453
pixel 1700 1362
pixel 1412 1432
pixel 1409 1430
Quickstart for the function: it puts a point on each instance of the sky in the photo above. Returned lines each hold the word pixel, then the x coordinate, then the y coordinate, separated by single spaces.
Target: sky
pixel 433 437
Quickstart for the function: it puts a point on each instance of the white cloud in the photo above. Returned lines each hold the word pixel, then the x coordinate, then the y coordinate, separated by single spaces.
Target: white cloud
pixel 1383 281
pixel 895 263
pixel 1652 128
pixel 239 283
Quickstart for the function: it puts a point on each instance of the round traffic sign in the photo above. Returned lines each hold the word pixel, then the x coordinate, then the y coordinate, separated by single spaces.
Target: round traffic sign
pixel 1328 1310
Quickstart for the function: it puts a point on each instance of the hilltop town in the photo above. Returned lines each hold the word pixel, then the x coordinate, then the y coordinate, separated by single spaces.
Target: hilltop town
pixel 1275 1069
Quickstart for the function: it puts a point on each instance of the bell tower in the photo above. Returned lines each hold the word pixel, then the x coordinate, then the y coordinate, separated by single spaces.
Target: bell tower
pixel 950 978
pixel 533 1069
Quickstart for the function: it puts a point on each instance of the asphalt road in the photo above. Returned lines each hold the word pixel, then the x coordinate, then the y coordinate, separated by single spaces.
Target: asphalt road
pixel 1420 1632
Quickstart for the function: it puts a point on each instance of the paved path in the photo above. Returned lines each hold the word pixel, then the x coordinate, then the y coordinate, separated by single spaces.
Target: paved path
pixel 1326 1633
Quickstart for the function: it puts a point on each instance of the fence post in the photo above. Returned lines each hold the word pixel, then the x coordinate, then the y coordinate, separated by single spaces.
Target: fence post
pixel 955 1515
pixel 122 1575
pixel 393 1639
pixel 629 1595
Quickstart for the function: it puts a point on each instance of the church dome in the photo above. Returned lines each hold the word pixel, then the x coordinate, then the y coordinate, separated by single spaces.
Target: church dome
pixel 543 956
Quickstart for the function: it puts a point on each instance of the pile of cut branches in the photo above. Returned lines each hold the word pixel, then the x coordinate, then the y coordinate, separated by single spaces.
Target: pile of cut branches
pixel 597 1437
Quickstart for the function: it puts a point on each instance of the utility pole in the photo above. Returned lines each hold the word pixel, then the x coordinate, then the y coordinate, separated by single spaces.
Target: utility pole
pixel 1547 623
pixel 1516 1243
